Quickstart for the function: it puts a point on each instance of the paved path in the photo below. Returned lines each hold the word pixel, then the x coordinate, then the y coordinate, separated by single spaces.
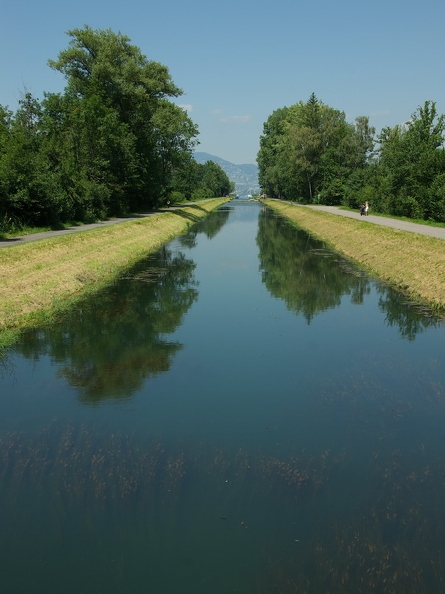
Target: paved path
pixel 385 222
pixel 46 234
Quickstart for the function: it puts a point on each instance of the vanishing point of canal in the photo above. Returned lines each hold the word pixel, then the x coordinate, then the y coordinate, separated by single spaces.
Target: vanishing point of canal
pixel 243 411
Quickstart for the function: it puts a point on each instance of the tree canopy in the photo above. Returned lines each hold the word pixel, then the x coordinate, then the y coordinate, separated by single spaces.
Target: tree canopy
pixel 309 150
pixel 112 142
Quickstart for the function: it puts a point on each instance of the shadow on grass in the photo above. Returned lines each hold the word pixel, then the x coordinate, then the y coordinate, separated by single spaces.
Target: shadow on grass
pixel 186 214
pixel 9 239
pixel 197 207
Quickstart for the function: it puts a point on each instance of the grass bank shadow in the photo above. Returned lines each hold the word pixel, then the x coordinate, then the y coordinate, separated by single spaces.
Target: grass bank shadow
pixel 186 214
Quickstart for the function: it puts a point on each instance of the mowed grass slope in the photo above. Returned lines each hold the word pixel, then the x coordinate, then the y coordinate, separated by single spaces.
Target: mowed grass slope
pixel 412 262
pixel 43 277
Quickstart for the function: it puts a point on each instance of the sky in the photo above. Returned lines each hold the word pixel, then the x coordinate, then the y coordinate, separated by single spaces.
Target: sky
pixel 238 61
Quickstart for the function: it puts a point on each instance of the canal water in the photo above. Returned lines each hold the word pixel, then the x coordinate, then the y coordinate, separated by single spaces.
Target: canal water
pixel 243 411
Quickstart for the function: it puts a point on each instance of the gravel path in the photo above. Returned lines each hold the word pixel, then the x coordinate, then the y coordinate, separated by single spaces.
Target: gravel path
pixel 385 222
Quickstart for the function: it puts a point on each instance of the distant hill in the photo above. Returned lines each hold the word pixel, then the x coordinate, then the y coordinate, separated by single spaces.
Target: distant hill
pixel 244 176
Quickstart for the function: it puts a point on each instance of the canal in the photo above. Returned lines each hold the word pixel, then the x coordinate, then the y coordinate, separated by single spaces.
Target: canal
pixel 243 411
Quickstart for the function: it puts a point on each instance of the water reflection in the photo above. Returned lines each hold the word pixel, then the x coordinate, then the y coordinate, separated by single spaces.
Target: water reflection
pixel 210 226
pixel 310 278
pixel 409 317
pixel 248 473
pixel 298 269
pixel 111 344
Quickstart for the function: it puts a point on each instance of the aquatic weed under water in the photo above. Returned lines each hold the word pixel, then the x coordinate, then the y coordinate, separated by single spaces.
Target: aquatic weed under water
pixel 391 542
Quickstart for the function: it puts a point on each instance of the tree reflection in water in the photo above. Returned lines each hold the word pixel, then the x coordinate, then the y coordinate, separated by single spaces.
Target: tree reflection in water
pixel 112 342
pixel 346 496
pixel 210 227
pixel 311 278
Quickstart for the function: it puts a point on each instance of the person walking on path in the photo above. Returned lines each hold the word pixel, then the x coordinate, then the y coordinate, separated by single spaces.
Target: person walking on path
pixel 366 208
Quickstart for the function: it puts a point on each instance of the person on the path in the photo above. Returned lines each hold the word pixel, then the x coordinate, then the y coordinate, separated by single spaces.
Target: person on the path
pixel 366 208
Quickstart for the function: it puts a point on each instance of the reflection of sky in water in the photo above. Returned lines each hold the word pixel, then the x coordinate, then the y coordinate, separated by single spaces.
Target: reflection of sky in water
pixel 241 409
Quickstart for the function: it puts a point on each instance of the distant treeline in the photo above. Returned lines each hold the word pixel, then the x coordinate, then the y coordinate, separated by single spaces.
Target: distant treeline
pixel 309 153
pixel 113 142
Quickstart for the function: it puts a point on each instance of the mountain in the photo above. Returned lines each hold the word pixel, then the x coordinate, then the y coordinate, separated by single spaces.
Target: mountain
pixel 244 176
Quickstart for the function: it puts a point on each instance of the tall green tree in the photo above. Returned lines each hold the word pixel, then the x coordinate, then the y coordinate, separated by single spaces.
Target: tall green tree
pixel 215 179
pixel 309 148
pixel 271 174
pixel 5 131
pixel 110 143
pixel 30 191
pixel 174 133
pixel 133 133
pixel 185 178
pixel 412 158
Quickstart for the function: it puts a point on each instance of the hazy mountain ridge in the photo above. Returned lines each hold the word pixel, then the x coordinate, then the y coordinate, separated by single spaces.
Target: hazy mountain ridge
pixel 244 176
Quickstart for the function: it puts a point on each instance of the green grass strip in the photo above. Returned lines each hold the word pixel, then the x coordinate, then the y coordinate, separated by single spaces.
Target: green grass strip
pixel 43 278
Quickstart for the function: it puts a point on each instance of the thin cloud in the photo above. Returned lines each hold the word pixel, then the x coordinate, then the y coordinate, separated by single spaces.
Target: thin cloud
pixel 380 114
pixel 216 111
pixel 240 119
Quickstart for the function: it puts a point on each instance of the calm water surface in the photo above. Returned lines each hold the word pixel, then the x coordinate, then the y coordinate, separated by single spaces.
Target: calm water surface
pixel 244 411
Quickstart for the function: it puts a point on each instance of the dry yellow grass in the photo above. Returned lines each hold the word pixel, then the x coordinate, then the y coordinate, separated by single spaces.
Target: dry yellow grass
pixel 409 261
pixel 46 275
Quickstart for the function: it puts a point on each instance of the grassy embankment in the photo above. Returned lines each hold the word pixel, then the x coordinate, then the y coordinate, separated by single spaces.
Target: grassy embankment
pixel 413 263
pixel 42 278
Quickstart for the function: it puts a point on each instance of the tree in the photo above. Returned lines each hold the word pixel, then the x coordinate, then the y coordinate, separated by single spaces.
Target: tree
pixel 111 143
pixel 30 192
pixel 411 158
pixel 175 134
pixel 5 131
pixel 215 179
pixel 272 178
pixel 134 135
pixel 309 148
pixel 185 176
pixel 104 63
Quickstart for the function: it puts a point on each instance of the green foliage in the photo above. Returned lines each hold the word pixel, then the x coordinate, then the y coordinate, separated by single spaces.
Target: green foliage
pixel 367 185
pixel 176 197
pixel 213 177
pixel 111 143
pixel 185 175
pixel 437 198
pixel 309 149
pixel 198 181
pixel 412 158
pixel 201 193
pixel 30 190
pixel 272 173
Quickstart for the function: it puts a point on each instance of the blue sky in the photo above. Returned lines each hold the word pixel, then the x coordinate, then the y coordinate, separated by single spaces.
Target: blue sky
pixel 238 61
